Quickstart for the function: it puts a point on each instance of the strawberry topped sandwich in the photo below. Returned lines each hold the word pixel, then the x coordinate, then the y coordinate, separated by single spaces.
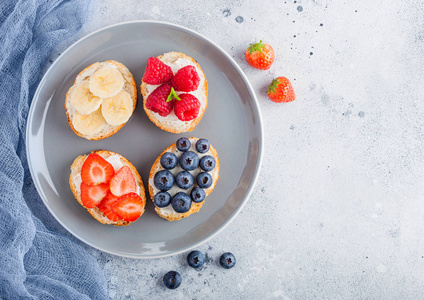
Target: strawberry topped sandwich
pixel 175 92
pixel 108 186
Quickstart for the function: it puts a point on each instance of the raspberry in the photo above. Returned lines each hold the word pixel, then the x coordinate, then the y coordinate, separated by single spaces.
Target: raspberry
pixel 157 72
pixel 156 101
pixel 186 79
pixel 188 108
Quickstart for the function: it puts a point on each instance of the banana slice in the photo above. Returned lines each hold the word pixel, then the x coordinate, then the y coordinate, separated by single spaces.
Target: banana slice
pixel 88 124
pixel 83 100
pixel 106 82
pixel 117 109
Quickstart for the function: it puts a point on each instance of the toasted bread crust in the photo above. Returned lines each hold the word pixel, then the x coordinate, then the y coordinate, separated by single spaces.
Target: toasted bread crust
pixel 195 207
pixel 128 78
pixel 153 116
pixel 95 212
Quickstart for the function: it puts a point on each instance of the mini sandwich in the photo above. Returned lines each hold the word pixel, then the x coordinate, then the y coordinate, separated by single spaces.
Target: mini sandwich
pixel 182 177
pixel 101 101
pixel 175 92
pixel 108 186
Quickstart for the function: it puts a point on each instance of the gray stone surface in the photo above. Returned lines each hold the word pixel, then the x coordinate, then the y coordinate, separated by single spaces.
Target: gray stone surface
pixel 338 211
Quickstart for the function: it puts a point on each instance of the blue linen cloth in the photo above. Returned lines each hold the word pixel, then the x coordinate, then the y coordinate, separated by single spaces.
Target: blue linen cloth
pixel 35 262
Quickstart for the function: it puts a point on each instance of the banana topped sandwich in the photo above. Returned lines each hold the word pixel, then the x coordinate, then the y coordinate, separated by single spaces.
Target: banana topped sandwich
pixel 101 101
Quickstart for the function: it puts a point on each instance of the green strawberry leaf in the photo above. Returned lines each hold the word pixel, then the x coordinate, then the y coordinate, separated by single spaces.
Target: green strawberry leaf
pixel 257 47
pixel 171 95
pixel 274 84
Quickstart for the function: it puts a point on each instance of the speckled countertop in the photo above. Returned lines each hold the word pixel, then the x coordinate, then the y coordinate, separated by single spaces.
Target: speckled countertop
pixel 338 211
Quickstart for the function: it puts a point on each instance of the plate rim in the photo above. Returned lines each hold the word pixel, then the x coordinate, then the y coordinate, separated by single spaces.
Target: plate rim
pixel 248 192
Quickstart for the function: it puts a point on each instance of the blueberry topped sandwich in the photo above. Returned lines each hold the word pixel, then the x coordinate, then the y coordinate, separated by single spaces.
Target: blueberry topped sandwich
pixel 182 177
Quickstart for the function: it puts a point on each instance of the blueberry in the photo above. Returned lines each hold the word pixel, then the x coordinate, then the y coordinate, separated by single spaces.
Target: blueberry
pixel 181 202
pixel 195 259
pixel 227 260
pixel 162 199
pixel 183 144
pixel 189 161
pixel 184 180
pixel 163 180
pixel 207 163
pixel 172 280
pixel 204 180
pixel 197 194
pixel 202 145
pixel 168 161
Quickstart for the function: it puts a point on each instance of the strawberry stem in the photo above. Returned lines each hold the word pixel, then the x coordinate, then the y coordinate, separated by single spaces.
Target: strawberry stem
pixel 271 89
pixel 256 47
pixel 171 95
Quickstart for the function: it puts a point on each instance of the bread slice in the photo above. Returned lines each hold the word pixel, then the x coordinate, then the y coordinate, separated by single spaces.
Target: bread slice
pixel 171 123
pixel 95 212
pixel 195 207
pixel 129 86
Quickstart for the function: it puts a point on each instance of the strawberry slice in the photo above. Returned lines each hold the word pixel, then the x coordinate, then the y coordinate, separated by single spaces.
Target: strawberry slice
pixel 92 195
pixel 96 170
pixel 123 182
pixel 105 206
pixel 129 207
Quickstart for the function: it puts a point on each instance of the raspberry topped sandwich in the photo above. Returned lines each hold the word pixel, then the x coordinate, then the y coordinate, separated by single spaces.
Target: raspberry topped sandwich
pixel 175 92
pixel 108 186
pixel 182 177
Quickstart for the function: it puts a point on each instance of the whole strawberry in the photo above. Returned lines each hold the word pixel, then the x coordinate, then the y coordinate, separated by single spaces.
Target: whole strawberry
pixel 157 72
pixel 157 100
pixel 281 90
pixel 260 55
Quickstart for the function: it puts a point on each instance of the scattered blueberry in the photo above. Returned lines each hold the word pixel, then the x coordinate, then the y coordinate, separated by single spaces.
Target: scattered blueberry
pixel 189 161
pixel 227 260
pixel 184 180
pixel 202 145
pixel 162 199
pixel 239 19
pixel 163 180
pixel 183 144
pixel 197 194
pixel 195 259
pixel 204 180
pixel 226 12
pixel 181 202
pixel 168 161
pixel 172 280
pixel 207 163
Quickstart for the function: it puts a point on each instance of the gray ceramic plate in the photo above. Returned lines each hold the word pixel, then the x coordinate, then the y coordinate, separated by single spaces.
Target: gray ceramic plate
pixel 232 123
